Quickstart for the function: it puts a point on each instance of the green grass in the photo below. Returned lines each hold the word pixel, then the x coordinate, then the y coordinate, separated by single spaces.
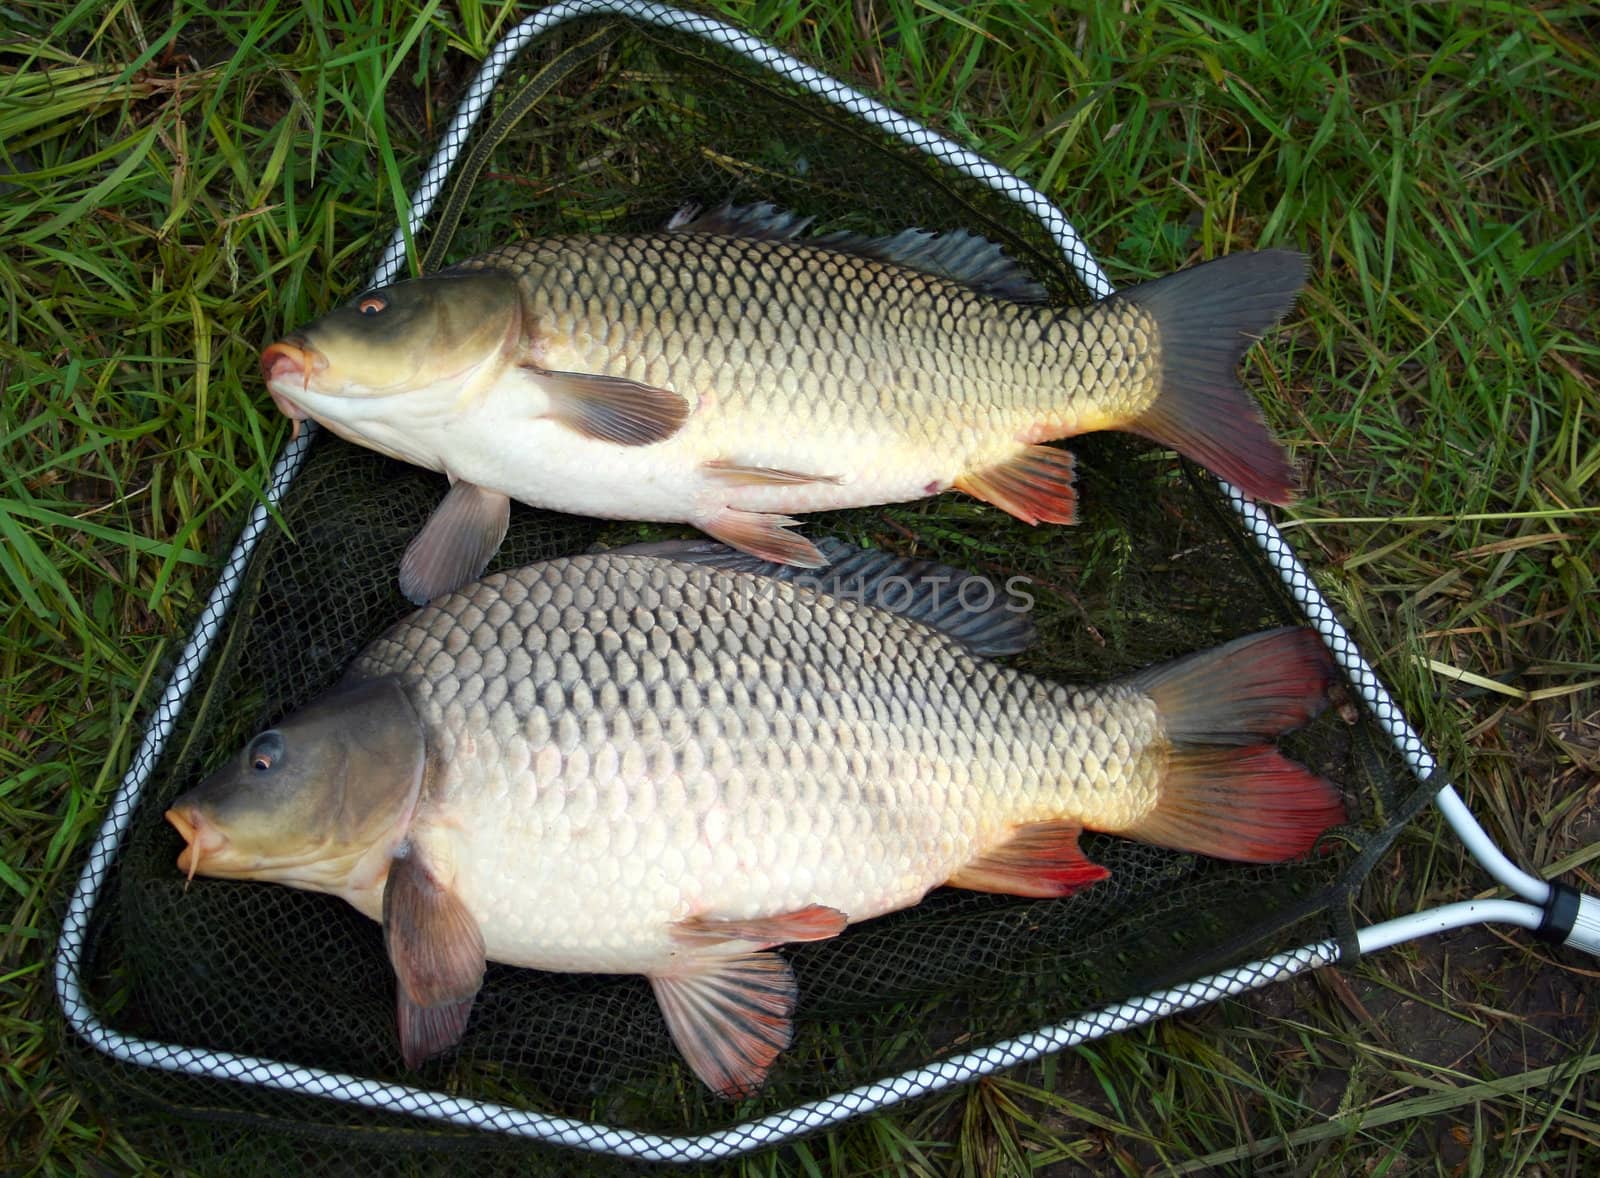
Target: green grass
pixel 179 182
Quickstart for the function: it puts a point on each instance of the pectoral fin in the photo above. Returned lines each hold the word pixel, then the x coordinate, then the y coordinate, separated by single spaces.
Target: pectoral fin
pixel 762 535
pixel 437 952
pixel 455 544
pixel 1035 486
pixel 729 1016
pixel 612 408
pixel 1041 859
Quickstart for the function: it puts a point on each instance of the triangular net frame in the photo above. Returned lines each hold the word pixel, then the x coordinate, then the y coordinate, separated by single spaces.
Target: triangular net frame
pixel 245 1004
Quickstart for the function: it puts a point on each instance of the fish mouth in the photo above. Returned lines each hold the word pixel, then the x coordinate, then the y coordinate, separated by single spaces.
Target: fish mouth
pixel 290 359
pixel 201 839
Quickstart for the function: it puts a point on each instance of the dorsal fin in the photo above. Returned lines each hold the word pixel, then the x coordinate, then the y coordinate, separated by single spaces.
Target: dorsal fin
pixel 988 619
pixel 975 262
pixel 764 221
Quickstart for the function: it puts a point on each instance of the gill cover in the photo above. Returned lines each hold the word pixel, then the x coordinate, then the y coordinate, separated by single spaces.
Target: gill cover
pixel 305 802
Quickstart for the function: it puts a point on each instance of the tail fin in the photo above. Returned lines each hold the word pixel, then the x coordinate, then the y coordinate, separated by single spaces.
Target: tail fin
pixel 1227 792
pixel 1207 317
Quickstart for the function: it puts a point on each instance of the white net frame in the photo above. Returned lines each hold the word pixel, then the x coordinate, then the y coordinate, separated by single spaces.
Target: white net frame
pixel 1558 913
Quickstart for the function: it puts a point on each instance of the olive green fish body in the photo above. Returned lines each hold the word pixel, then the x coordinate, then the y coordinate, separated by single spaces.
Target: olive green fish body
pixel 773 338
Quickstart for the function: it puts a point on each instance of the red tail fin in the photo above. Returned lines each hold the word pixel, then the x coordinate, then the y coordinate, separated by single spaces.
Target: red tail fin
pixel 1226 791
pixel 1207 317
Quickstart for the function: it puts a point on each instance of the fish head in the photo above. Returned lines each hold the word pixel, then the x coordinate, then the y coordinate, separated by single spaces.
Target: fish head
pixel 320 802
pixel 435 333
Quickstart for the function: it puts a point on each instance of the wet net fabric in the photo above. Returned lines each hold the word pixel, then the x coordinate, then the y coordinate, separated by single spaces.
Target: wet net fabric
pixel 1157 567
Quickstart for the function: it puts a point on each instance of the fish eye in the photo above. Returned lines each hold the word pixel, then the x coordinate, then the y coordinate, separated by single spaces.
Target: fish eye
pixel 265 751
pixel 372 304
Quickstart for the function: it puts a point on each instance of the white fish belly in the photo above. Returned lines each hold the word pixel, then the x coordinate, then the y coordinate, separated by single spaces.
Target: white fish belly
pixel 595 879
pixel 506 443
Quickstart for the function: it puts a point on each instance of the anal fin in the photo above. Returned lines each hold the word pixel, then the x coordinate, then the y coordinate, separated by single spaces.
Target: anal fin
pixel 1041 859
pixel 437 952
pixel 1035 486
pixel 729 1016
pixel 456 543
pixel 763 535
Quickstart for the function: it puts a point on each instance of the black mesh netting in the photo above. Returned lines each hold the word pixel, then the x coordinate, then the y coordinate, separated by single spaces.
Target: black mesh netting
pixel 1156 568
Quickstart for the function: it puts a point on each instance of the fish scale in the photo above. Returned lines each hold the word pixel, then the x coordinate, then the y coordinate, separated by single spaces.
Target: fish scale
pixel 830 322
pixel 667 761
pixel 728 374
pixel 938 730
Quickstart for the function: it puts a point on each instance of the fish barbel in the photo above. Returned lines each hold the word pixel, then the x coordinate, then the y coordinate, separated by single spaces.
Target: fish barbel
pixel 727 373
pixel 624 763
